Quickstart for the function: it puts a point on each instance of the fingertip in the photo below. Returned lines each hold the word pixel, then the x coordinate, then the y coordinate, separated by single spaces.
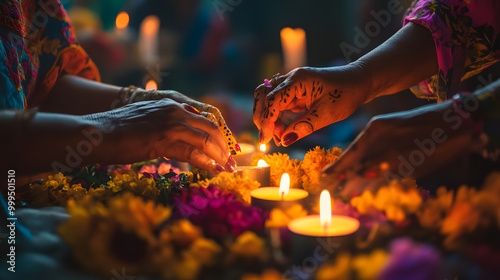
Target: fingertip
pixel 277 140
pixel 289 139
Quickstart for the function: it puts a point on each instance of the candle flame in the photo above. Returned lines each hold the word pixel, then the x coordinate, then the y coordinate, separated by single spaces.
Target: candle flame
pixel 284 184
pixel 325 209
pixel 122 20
pixel 293 35
pixel 150 25
pixel 263 147
pixel 151 85
pixel 261 163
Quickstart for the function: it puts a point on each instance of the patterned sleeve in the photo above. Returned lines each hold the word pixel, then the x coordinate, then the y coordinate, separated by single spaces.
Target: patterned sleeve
pixel 464 33
pixel 58 51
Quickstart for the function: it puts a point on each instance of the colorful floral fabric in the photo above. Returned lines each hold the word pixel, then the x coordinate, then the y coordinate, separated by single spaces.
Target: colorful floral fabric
pixel 37 45
pixel 465 33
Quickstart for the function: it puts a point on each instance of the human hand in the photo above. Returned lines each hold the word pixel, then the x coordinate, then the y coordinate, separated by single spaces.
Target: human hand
pixel 206 110
pixel 404 144
pixel 164 128
pixel 323 95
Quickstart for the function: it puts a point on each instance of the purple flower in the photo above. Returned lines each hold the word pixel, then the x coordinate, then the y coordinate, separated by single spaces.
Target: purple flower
pixel 217 212
pixel 267 83
pixel 412 261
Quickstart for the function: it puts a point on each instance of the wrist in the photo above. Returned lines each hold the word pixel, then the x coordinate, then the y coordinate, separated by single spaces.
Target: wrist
pixel 354 79
pixel 100 130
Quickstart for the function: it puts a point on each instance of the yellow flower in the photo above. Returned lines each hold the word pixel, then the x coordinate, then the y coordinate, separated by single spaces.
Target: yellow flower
pixel 368 266
pixel 280 218
pixel 281 163
pixel 364 202
pixel 233 183
pixel 205 251
pixel 339 270
pixel 461 220
pixel 314 161
pixel 248 246
pixel 397 200
pixel 183 232
pixel 183 267
pixel 136 184
pixel 122 234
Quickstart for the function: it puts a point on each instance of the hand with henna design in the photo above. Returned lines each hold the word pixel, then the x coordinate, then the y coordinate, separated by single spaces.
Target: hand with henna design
pixel 324 95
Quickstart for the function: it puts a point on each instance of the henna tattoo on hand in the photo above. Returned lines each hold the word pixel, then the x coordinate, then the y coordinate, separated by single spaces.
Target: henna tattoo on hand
pixel 285 94
pixel 335 95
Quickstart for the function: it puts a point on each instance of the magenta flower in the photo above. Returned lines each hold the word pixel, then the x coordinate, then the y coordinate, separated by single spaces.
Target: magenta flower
pixel 267 83
pixel 218 213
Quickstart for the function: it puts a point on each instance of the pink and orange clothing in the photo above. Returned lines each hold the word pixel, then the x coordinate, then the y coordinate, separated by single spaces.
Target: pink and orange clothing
pixel 37 45
pixel 465 34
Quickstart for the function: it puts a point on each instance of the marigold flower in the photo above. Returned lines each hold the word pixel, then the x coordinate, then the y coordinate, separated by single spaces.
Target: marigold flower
pixel 233 183
pixel 249 246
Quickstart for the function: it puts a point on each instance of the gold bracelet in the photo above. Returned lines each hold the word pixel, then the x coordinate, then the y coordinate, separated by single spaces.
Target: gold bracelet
pixel 126 93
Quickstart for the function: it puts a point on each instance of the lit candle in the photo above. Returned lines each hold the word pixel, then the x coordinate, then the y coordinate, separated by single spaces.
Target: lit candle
pixel 311 231
pixel 282 196
pixel 244 158
pixel 324 224
pixel 293 42
pixel 263 147
pixel 151 85
pixel 121 22
pixel 148 40
pixel 260 173
pixel 261 163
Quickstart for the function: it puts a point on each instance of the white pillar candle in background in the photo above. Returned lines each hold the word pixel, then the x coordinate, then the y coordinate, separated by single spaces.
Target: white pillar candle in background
pixel 148 40
pixel 293 42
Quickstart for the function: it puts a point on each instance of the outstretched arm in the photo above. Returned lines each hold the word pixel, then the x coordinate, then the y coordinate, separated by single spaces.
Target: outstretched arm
pixel 334 93
pixel 38 141
pixel 402 61
pixel 79 96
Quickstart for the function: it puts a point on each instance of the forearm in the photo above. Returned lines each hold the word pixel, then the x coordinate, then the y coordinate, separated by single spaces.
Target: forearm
pixel 78 96
pixel 402 61
pixel 37 142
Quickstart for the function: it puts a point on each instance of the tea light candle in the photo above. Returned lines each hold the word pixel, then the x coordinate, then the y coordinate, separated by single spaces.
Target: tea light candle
pixel 244 158
pixel 310 231
pixel 324 224
pixel 260 173
pixel 282 196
